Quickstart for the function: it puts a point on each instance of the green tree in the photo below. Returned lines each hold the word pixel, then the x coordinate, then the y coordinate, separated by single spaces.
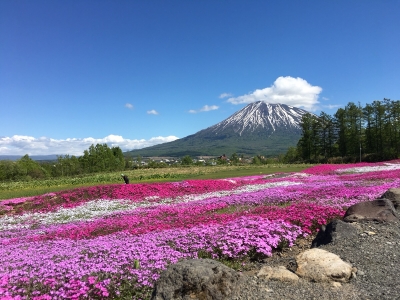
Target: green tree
pixel 101 158
pixel 354 129
pixel 222 160
pixel 31 168
pixel 391 129
pixel 67 166
pixel 139 161
pixel 256 160
pixel 117 159
pixel 308 143
pixel 291 156
pixel 341 127
pixel 234 159
pixel 395 121
pixel 327 136
pixel 187 160
pixel 129 164
pixel 375 129
pixel 379 121
pixel 11 170
pixel 368 115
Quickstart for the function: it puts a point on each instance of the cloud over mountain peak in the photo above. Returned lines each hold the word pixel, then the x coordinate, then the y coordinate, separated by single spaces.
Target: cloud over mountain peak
pixel 286 90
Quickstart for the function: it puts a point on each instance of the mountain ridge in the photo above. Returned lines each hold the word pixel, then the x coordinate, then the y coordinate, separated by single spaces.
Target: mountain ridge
pixel 251 115
pixel 259 128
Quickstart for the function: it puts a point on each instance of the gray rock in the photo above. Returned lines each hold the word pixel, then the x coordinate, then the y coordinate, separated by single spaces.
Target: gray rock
pixel 376 210
pixel 277 273
pixel 197 279
pixel 376 262
pixel 333 232
pixel 393 195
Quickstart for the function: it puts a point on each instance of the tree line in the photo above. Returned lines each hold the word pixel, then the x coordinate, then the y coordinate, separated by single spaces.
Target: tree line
pixel 352 134
pixel 98 158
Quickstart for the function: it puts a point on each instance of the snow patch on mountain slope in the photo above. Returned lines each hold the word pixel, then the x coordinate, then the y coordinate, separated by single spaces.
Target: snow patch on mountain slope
pixel 262 115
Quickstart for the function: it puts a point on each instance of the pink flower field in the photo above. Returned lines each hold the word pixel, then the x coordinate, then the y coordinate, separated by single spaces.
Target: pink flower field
pixel 112 241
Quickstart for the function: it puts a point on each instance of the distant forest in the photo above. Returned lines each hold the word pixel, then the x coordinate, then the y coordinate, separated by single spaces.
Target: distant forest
pixel 99 158
pixel 352 134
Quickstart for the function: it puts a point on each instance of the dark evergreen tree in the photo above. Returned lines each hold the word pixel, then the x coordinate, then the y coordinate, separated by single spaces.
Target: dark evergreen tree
pixel 353 115
pixel 305 144
pixel 368 115
pixel 340 124
pixel 372 131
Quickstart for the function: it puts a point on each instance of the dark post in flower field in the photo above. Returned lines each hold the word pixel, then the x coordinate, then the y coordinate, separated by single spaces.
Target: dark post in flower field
pixel 126 179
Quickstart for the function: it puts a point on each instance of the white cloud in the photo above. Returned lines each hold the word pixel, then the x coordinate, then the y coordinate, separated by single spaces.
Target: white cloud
pixel 21 145
pixel 285 90
pixel 128 105
pixel 225 95
pixel 152 112
pixel 208 108
pixel 204 108
pixel 332 106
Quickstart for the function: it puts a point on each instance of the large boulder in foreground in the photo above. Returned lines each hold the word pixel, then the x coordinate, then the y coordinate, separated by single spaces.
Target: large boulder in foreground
pixel 197 279
pixel 318 265
pixel 381 210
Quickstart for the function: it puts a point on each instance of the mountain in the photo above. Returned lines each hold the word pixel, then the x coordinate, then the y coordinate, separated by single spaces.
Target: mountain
pixel 258 128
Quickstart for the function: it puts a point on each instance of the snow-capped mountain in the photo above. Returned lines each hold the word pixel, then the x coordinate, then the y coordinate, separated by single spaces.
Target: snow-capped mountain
pixel 261 116
pixel 258 128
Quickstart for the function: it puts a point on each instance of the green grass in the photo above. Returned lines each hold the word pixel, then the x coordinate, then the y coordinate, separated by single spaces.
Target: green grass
pixel 9 190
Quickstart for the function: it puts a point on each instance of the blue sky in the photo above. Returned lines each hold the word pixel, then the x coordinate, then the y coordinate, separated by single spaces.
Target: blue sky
pixel 137 73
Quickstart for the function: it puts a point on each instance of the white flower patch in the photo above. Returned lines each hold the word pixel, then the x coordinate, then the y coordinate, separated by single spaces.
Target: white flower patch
pixel 151 198
pixel 230 180
pixel 87 211
pixel 299 175
pixel 386 167
pixel 258 187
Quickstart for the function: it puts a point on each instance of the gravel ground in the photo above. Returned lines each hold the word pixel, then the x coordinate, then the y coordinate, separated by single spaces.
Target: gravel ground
pixel 375 252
